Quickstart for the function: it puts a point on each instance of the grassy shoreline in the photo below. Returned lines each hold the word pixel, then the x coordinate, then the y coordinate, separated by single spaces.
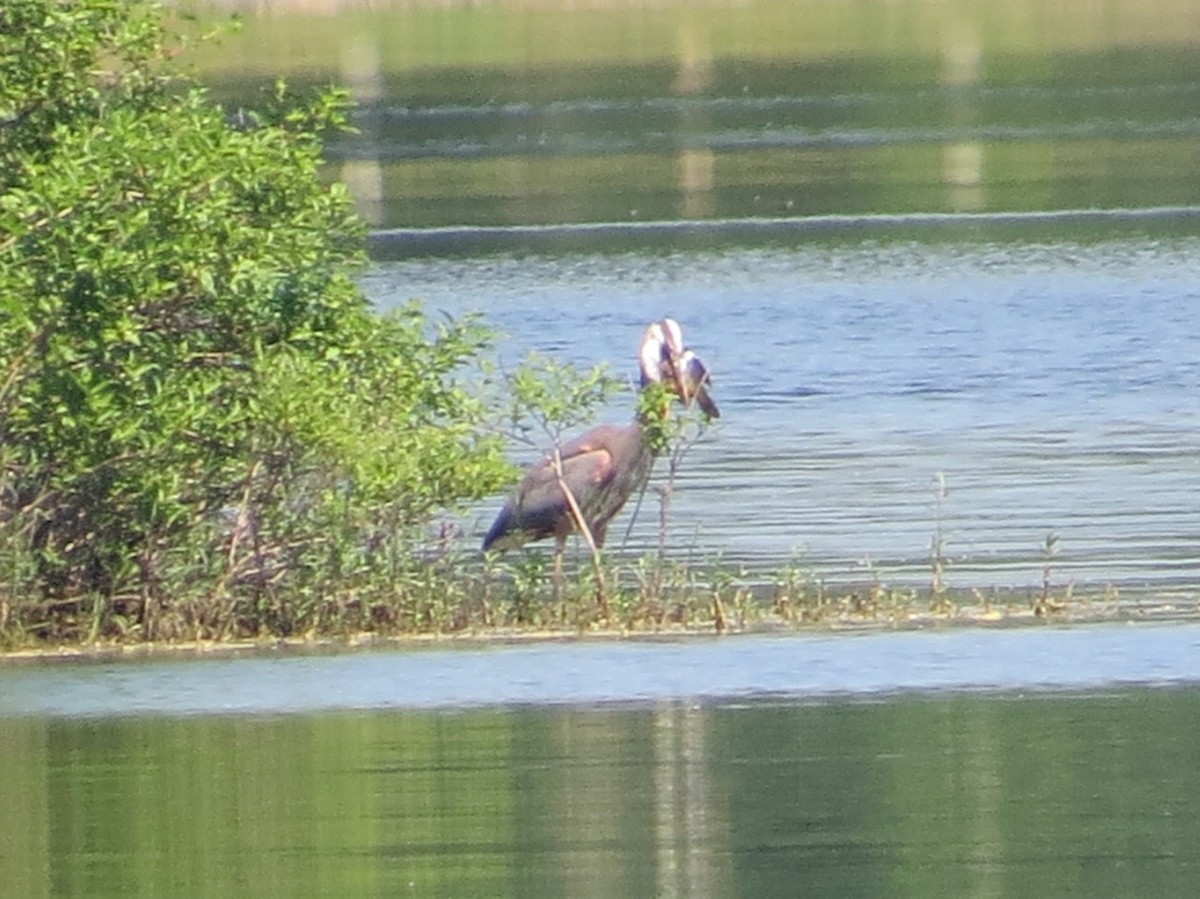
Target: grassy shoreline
pixel 842 614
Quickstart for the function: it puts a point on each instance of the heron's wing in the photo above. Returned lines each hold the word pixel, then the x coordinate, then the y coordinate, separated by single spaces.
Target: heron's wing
pixel 539 507
pixel 541 497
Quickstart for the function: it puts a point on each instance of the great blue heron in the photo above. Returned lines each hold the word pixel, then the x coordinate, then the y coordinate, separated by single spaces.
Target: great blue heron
pixel 605 465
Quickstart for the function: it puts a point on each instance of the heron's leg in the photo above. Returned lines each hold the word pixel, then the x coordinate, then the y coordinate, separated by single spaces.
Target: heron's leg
pixel 560 546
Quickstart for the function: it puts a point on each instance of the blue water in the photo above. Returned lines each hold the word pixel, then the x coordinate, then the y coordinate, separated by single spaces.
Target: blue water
pixel 792 669
pixel 1052 383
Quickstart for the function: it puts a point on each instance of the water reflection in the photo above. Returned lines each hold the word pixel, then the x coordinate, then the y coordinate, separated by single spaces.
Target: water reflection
pixel 510 114
pixel 916 796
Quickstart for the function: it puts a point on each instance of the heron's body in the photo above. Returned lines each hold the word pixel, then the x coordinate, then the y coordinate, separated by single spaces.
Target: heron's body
pixel 601 468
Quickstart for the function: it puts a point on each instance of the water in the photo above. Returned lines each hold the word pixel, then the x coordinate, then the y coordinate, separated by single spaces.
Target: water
pixel 1052 385
pixel 923 797
pixel 518 114
pixel 1042 762
pixel 795 669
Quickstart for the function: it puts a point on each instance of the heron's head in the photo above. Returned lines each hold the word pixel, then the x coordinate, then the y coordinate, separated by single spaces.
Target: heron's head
pixel 665 360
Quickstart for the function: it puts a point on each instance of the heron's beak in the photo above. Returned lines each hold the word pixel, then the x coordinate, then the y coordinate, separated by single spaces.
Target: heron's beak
pixel 692 382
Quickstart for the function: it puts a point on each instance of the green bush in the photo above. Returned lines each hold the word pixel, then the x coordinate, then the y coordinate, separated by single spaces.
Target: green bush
pixel 204 427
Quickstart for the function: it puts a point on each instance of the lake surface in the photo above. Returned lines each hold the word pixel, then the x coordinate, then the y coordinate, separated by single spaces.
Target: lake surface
pixel 1036 762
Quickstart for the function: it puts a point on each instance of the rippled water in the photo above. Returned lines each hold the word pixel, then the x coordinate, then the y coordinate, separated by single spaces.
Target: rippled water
pixel 1052 384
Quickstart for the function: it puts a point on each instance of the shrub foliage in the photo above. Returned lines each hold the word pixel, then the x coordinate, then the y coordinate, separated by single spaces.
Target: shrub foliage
pixel 205 429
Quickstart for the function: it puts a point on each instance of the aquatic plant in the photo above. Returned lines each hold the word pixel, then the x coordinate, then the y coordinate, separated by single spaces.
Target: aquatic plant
pixel 1045 601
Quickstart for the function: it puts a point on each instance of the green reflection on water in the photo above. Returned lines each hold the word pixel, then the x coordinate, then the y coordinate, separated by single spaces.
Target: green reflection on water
pixel 1089 795
pixel 499 114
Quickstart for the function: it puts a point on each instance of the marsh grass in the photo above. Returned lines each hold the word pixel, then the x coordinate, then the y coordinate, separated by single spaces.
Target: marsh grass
pixel 937 546
pixel 1046 602
pixel 460 592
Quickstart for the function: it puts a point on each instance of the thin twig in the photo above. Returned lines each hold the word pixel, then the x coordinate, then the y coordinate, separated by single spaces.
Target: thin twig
pixel 584 530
